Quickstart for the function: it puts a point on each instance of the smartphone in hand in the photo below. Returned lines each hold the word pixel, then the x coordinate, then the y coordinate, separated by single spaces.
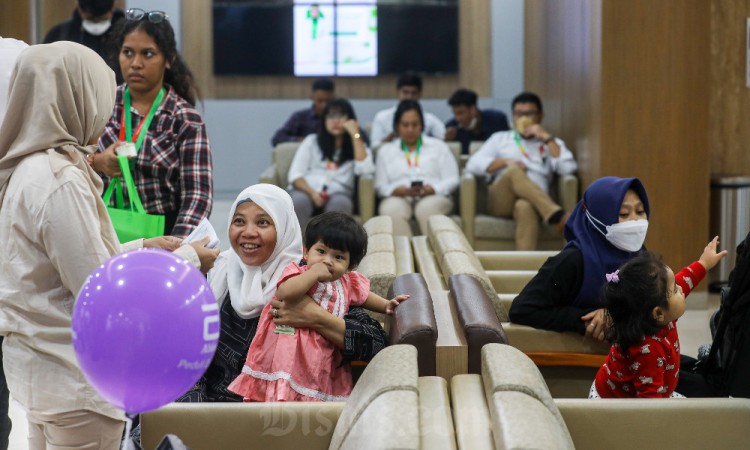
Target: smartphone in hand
pixel 417 183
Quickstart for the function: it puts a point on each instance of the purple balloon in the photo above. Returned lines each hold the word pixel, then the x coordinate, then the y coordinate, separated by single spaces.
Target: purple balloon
pixel 145 328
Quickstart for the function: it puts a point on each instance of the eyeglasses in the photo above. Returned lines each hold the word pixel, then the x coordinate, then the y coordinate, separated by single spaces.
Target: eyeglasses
pixel 152 16
pixel 336 116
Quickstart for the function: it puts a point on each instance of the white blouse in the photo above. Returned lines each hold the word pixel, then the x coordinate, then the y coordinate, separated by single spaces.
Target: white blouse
pixel 437 167
pixel 540 165
pixel 308 163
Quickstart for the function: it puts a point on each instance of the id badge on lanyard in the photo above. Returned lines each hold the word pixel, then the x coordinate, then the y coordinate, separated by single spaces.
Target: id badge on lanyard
pixel 415 173
pixel 130 147
pixel 331 167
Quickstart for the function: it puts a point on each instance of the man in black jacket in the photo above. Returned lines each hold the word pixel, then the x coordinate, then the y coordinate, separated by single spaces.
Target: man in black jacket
pixel 91 25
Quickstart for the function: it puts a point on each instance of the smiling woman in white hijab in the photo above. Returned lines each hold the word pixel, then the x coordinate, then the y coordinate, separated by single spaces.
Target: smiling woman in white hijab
pixel 265 237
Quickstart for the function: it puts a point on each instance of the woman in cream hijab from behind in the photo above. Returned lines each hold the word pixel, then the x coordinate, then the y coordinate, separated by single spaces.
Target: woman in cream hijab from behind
pixel 54 230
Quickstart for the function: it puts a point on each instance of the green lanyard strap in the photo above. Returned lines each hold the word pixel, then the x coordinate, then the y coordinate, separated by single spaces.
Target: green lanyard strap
pixel 143 127
pixel 406 152
pixel 114 185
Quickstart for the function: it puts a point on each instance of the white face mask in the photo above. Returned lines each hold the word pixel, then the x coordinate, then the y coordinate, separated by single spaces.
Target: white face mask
pixel 627 236
pixel 96 28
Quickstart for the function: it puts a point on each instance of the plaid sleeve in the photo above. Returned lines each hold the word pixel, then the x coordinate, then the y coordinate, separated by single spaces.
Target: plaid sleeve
pixel 196 187
pixel 364 337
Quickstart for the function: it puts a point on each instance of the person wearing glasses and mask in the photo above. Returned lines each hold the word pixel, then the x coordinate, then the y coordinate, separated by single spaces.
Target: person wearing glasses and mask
pixel 322 173
pixel 91 25
pixel 519 165
pixel 156 125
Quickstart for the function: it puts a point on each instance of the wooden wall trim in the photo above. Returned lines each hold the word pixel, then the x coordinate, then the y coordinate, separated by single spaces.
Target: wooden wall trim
pixel 626 85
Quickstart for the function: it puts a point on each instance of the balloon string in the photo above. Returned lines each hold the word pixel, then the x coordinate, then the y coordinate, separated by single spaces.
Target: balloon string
pixel 127 443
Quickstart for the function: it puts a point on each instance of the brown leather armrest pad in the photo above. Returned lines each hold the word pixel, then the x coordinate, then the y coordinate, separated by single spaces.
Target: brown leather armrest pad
pixel 477 316
pixel 414 320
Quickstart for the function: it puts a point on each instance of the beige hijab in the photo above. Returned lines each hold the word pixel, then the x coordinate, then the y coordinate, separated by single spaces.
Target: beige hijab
pixel 59 99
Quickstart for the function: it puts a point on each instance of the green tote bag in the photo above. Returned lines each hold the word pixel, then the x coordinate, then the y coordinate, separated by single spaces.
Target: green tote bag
pixel 130 222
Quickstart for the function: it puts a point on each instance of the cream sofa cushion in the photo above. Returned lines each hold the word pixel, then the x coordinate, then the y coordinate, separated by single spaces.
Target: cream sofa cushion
pixel 389 388
pixel 505 368
pixel 378 243
pixel 380 268
pixel 523 422
pixel 379 225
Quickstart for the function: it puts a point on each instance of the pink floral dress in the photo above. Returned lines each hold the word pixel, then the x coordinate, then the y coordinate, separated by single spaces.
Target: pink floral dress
pixel 303 366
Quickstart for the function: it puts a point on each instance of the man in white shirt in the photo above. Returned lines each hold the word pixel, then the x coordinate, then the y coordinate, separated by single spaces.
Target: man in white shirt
pixel 520 164
pixel 408 87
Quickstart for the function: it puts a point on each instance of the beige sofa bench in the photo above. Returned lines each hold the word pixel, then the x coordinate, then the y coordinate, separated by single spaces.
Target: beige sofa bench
pixel 567 360
pixel 390 407
pixel 508 406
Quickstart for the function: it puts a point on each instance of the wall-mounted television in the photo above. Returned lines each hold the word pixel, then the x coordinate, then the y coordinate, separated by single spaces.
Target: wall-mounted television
pixel 335 37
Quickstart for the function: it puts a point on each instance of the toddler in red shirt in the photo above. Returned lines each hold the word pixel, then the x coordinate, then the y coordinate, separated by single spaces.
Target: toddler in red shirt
pixel 644 299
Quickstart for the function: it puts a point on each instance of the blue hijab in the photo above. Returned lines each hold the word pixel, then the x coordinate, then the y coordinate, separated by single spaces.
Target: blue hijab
pixel 603 199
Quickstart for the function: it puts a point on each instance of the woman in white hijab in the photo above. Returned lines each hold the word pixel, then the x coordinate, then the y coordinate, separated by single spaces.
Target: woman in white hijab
pixel 54 230
pixel 265 237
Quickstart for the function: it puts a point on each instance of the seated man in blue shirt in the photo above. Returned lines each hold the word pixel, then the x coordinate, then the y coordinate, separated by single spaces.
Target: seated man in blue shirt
pixel 308 120
pixel 469 123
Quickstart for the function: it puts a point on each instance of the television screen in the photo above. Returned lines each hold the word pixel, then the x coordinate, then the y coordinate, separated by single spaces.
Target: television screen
pixel 335 37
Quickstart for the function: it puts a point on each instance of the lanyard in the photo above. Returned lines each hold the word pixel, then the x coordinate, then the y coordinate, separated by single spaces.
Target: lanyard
pixel 517 138
pixel 407 153
pixel 126 128
pixel 332 166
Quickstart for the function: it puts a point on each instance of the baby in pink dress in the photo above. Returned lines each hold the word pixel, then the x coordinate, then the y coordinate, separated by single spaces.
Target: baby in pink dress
pixel 299 364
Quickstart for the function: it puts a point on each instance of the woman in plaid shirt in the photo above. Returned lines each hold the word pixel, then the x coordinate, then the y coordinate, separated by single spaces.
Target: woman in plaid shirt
pixel 172 156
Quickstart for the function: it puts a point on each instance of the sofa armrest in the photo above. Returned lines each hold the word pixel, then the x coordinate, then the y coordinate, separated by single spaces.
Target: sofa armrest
pixel 414 320
pixel 269 176
pixel 477 316
pixel 467 205
pixel 366 197
pixel 689 422
pixel 567 191
pixel 283 425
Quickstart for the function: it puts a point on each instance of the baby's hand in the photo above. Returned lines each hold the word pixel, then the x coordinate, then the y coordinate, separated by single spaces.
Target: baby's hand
pixel 710 258
pixel 394 302
pixel 321 271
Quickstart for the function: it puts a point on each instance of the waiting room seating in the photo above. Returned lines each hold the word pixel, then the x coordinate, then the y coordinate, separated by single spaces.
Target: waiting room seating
pixel 281 160
pixel 509 406
pixel 567 360
pixel 390 407
pixel 486 232
pixel 389 265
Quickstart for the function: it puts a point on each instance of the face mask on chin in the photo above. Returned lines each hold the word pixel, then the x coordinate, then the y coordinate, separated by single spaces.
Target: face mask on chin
pixel 627 236
pixel 96 28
